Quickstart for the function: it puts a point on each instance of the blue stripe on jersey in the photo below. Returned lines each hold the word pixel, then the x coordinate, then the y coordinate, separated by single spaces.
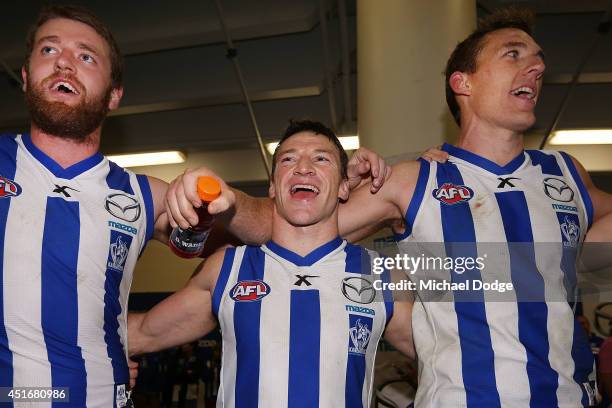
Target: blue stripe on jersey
pixel 247 316
pixel 529 287
pixel 569 231
pixel 415 201
pixel 586 198
pixel 145 190
pixel 387 294
pixel 583 360
pixel 360 329
pixel 118 179
pixel 546 161
pixel 304 349
pixel 485 163
pixel 226 269
pixel 477 358
pixel 581 351
pixel 309 259
pixel 57 170
pixel 59 298
pixel 118 250
pixel 8 161
pixel 357 260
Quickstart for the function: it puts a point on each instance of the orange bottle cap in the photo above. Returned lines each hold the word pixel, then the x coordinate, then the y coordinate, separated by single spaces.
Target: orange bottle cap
pixel 208 188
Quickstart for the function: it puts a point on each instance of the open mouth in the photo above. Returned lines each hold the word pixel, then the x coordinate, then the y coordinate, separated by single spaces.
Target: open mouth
pixel 524 92
pixel 304 191
pixel 64 87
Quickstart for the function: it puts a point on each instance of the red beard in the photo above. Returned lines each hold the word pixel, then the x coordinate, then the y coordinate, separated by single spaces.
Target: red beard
pixel 61 120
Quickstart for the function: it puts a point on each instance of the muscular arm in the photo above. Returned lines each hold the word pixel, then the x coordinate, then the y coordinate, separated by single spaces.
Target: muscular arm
pixel 161 231
pixel 601 230
pixel 399 329
pixel 365 213
pixel 182 317
pixel 250 218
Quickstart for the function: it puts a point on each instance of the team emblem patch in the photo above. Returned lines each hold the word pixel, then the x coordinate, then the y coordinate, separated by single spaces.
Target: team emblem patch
pixel 360 330
pixel 248 291
pixel 8 188
pixel 450 193
pixel 570 231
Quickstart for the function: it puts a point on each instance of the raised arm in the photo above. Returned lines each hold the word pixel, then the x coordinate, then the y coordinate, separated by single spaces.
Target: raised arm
pixel 183 317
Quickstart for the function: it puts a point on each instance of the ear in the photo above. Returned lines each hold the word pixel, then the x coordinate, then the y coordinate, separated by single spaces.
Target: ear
pixel 116 95
pixel 460 83
pixel 271 190
pixel 24 77
pixel 343 191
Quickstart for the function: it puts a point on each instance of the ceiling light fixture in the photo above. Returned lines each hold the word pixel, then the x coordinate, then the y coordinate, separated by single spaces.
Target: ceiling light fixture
pixel 348 142
pixel 581 137
pixel 148 159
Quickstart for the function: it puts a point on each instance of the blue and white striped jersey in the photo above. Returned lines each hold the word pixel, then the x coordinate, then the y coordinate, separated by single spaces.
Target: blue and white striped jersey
pixel 527 351
pixel 298 331
pixel 70 239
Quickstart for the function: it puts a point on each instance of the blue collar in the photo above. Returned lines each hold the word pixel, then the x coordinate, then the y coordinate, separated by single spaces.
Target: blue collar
pixel 309 259
pixel 485 163
pixel 57 170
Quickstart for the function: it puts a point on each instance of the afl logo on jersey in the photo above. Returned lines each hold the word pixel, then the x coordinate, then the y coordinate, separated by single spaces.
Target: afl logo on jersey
pixel 450 193
pixel 248 291
pixel 8 188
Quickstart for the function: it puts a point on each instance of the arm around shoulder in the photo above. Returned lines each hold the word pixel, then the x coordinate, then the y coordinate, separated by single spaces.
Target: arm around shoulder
pixel 366 212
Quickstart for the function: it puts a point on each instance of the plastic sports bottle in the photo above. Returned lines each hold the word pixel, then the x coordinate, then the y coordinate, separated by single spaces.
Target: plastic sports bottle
pixel 189 243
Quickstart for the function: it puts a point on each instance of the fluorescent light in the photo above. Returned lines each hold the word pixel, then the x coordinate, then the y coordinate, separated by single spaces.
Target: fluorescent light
pixel 581 136
pixel 348 142
pixel 148 159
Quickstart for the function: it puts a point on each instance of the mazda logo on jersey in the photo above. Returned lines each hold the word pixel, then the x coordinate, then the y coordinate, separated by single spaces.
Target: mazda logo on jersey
pixel 450 193
pixel 558 190
pixel 123 207
pixel 8 188
pixel 358 290
pixel 248 291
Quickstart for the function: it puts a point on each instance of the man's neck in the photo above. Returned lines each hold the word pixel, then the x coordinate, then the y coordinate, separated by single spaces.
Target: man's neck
pixel 493 143
pixel 65 152
pixel 303 240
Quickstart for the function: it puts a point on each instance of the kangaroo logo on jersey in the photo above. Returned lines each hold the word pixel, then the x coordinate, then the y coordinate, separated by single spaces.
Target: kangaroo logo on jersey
pixel 450 193
pixel 248 291
pixel 123 207
pixel 8 188
pixel 118 254
pixel 570 231
pixel 558 190
pixel 359 290
pixel 360 330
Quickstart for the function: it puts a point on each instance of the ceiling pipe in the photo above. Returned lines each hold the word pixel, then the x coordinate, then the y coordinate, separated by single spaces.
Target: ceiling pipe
pixel 346 66
pixel 602 29
pixel 232 54
pixel 11 73
pixel 329 83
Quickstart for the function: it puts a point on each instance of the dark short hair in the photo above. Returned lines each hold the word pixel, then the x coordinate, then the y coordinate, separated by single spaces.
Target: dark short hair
pixel 318 128
pixel 82 15
pixel 465 55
